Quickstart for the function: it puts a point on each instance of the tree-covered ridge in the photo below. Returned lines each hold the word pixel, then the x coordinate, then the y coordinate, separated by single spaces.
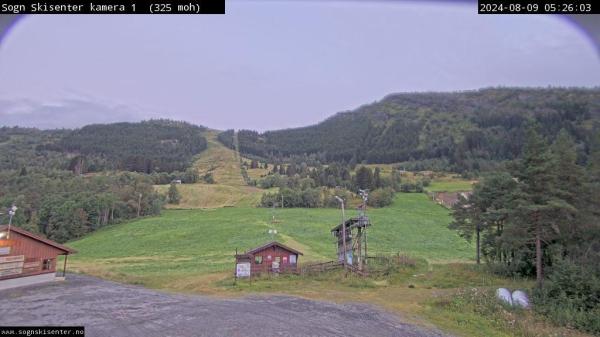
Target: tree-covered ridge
pixel 19 147
pixel 466 130
pixel 155 145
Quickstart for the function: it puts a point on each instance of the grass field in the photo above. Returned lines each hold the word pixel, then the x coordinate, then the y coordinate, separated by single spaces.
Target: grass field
pixel 210 196
pixel 190 249
pixel 196 242
pixel 450 185
pixel 229 189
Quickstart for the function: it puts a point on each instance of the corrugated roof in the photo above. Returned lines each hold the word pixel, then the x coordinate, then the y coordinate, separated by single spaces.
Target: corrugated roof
pixel 38 238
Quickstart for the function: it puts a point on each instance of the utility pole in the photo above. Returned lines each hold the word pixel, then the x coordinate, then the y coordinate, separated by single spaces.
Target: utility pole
pixel 139 205
pixel 343 230
pixel 478 244
pixel 364 194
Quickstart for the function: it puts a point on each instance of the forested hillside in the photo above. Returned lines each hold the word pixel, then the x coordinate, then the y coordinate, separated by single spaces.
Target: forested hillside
pixel 20 147
pixel 42 172
pixel 156 145
pixel 460 131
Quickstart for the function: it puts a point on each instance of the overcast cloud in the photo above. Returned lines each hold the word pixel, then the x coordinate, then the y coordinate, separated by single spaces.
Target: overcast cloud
pixel 269 65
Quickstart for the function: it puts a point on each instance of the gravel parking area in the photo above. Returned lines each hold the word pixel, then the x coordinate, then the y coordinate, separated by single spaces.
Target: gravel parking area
pixel 111 309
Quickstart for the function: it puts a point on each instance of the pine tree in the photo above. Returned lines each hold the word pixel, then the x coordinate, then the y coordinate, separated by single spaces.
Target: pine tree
pixel 173 195
pixel 364 178
pixel 485 211
pixel 377 183
pixel 569 184
pixel 538 202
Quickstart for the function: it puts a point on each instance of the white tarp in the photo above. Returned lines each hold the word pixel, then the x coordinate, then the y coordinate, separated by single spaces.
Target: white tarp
pixel 504 295
pixel 520 299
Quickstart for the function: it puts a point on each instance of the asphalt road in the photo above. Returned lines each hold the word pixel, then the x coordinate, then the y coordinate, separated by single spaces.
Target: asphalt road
pixel 113 310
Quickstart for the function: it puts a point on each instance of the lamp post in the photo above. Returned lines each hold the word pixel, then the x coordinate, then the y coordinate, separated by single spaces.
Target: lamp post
pixel 11 213
pixel 343 229
pixel 139 208
pixel 272 232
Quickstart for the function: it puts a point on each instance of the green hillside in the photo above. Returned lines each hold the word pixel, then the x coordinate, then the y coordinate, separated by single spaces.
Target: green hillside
pixel 460 131
pixel 161 250
pixel 229 188
pixel 155 145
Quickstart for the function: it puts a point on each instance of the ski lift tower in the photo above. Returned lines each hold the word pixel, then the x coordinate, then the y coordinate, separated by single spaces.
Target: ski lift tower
pixel 351 237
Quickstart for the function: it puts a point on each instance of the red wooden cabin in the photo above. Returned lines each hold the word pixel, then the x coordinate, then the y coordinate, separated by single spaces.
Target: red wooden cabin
pixel 27 258
pixel 272 257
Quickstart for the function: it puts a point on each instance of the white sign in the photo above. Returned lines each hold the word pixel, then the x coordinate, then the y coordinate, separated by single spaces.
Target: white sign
pixel 4 250
pixel 242 269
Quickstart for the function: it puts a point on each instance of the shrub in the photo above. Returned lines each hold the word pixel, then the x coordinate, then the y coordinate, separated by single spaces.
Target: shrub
pixel 381 197
pixel 329 199
pixel 309 198
pixel 208 178
pixel 173 195
pixel 571 297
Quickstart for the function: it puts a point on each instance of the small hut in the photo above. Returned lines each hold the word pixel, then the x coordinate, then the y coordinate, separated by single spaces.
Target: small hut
pixel 272 257
pixel 27 258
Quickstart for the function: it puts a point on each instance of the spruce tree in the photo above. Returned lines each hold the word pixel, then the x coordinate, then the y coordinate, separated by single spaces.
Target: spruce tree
pixel 538 203
pixel 173 195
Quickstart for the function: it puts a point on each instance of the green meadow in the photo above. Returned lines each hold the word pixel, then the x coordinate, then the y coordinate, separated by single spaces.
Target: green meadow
pixel 199 242
pixel 190 248
pixel 450 185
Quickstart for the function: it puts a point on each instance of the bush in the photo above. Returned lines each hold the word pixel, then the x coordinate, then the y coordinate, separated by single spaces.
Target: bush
pixel 381 197
pixel 407 187
pixel 571 297
pixel 329 199
pixel 273 180
pixel 208 178
pixel 309 198
pixel 173 195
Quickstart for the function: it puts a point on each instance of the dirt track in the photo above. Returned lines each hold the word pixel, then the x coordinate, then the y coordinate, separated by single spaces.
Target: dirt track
pixel 112 310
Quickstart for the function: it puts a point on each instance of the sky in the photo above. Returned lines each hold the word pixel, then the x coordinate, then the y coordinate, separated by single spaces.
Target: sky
pixel 274 64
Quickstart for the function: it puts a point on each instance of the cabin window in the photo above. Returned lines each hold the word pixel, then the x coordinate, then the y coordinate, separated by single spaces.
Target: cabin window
pixel 258 259
pixel 47 264
pixel 285 259
pixel 277 259
pixel 269 257
pixel 292 259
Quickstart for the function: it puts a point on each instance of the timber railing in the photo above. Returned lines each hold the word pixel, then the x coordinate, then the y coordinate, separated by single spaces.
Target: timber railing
pixel 357 271
pixel 320 267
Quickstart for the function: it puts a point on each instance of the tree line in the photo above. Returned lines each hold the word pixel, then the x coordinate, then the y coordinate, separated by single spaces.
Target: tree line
pixel 303 186
pixel 64 206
